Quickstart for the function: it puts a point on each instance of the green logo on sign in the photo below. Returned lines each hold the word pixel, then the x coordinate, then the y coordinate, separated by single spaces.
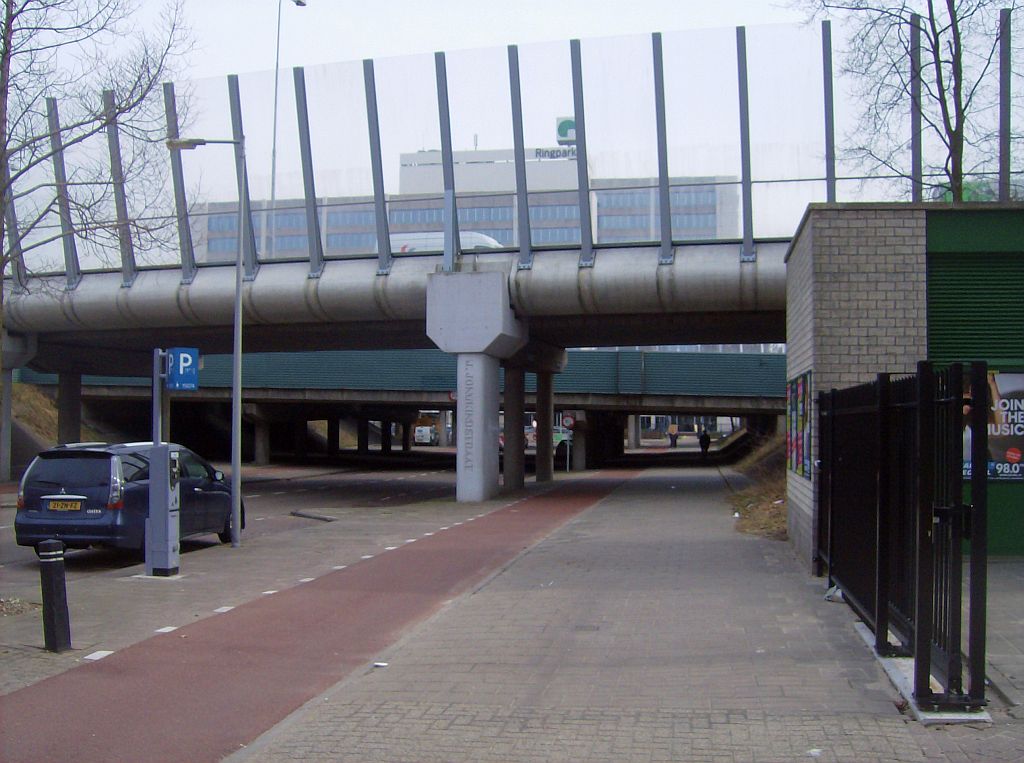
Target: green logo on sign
pixel 565 131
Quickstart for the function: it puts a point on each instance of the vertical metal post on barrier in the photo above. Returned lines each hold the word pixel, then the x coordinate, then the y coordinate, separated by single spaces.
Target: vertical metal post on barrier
pixel 976 637
pixel 56 622
pixel 924 571
pixel 883 528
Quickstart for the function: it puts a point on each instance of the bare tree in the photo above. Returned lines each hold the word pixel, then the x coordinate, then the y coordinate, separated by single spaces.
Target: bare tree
pixel 960 41
pixel 64 54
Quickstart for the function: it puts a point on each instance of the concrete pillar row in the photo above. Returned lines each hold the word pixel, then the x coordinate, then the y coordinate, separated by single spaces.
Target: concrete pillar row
pixel 261 445
pixel 333 435
pixel 6 425
pixel 444 438
pixel 69 407
pixel 633 432
pixel 300 431
pixel 545 426
pixel 362 435
pixel 385 436
pixel 15 352
pixel 579 442
pixel 408 427
pixel 515 437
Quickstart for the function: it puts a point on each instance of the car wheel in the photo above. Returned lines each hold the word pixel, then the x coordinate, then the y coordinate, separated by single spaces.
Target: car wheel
pixel 225 534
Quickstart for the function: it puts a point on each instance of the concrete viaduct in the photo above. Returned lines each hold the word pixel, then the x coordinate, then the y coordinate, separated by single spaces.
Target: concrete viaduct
pixel 484 309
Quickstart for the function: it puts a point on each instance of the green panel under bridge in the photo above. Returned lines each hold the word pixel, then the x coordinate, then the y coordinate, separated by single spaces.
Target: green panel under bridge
pixel 610 372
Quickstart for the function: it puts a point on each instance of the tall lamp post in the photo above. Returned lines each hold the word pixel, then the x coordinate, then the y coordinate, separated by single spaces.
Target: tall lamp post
pixel 236 352
pixel 271 221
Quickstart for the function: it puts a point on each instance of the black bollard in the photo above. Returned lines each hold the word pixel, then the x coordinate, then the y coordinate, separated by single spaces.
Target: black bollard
pixel 56 622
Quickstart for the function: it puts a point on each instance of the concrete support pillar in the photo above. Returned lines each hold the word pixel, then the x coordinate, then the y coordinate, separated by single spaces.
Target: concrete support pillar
pixel 333 435
pixel 477 432
pixel 469 314
pixel 408 427
pixel 385 436
pixel 15 352
pixel 444 438
pixel 6 426
pixel 261 443
pixel 579 444
pixel 69 407
pixel 299 435
pixel 633 432
pixel 515 402
pixel 545 424
pixel 362 435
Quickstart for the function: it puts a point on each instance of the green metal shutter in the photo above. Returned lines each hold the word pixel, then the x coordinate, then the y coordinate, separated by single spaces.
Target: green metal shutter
pixel 976 307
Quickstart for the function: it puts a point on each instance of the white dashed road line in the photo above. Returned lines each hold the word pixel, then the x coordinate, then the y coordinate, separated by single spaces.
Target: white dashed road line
pixel 98 655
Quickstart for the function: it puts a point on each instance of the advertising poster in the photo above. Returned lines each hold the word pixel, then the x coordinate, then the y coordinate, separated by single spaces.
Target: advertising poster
pixel 1005 428
pixel 798 425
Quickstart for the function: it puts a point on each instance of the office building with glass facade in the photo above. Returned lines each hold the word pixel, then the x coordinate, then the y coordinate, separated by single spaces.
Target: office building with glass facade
pixel 623 210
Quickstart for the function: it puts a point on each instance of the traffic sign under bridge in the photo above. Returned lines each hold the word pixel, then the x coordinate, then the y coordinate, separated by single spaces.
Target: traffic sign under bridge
pixel 183 368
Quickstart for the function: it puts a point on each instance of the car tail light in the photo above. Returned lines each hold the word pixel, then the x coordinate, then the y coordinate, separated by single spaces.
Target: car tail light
pixel 21 486
pixel 116 498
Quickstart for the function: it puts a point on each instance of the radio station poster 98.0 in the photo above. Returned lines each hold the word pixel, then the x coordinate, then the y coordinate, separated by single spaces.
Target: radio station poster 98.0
pixel 1005 428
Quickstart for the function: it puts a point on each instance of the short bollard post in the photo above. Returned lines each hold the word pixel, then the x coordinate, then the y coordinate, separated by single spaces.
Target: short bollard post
pixel 56 623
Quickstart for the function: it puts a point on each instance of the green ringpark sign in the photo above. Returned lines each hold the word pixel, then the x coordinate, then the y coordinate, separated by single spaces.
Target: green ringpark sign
pixel 565 131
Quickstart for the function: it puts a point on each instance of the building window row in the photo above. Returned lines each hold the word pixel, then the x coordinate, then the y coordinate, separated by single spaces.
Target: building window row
pixel 502 235
pixel 547 212
pixel 682 221
pixel 422 216
pixel 485 214
pixel 338 219
pixel 291 243
pixel 696 196
pixel 290 220
pixel 556 235
pixel 226 244
pixel 366 242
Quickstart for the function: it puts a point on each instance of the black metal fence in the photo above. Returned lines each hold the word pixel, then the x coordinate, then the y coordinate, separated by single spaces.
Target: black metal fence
pixel 894 522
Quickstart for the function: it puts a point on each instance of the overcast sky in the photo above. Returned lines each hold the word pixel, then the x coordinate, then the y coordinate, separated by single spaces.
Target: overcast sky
pixel 236 36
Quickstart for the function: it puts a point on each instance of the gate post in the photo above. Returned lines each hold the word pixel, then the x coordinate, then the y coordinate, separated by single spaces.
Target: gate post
pixel 826 421
pixel 883 545
pixel 979 532
pixel 924 584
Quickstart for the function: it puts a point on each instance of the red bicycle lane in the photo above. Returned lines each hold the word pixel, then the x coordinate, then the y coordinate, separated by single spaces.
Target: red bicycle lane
pixel 207 689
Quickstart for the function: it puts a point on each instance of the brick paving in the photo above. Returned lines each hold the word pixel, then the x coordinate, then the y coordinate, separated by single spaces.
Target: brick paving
pixel 646 629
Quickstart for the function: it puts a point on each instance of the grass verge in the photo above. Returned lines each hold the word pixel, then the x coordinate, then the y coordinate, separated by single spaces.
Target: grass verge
pixel 762 505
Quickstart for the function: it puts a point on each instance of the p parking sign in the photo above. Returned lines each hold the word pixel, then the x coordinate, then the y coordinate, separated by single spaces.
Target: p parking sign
pixel 183 368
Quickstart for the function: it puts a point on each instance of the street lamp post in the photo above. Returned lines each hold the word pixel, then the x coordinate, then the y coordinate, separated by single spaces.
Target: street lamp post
pixel 236 352
pixel 271 222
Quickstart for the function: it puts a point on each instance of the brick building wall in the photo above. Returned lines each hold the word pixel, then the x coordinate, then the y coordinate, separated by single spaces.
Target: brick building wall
pixel 855 306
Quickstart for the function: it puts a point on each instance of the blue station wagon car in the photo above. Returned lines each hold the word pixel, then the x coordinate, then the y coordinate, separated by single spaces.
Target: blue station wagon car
pixel 92 494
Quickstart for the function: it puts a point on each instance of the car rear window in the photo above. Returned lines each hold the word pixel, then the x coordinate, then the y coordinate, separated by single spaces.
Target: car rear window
pixel 78 470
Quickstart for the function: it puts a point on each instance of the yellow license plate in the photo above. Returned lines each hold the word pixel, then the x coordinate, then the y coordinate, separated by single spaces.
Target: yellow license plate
pixel 65 505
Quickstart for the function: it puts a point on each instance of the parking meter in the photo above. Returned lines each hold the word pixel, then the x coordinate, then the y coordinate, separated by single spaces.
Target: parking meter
pixel 174 496
pixel 162 528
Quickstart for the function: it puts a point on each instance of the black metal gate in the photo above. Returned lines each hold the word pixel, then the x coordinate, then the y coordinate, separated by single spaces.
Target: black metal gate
pixel 893 521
